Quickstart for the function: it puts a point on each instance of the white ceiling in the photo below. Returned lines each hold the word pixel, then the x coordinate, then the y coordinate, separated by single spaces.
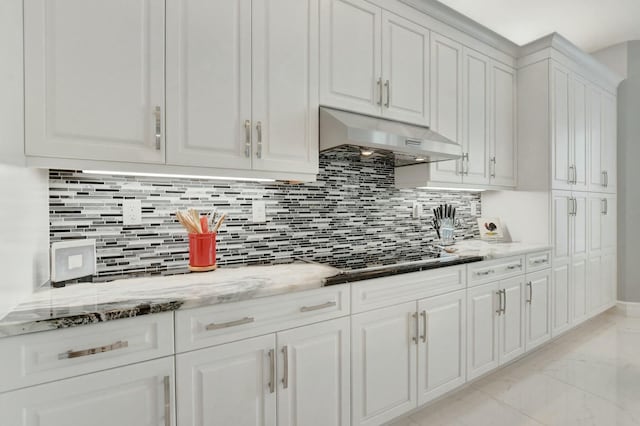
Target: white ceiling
pixel 589 24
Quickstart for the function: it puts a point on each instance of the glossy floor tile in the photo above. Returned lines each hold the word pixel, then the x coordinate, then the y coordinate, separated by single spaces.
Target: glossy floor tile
pixel 589 376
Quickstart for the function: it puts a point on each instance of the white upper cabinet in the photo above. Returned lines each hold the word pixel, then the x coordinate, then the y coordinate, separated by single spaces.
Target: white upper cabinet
pixel 350 55
pixel 242 85
pixel 580 128
pixel 285 85
pixel 405 70
pixel 446 103
pixel 561 157
pixel 503 163
pixel 373 61
pixel 94 79
pixel 609 142
pixel 209 83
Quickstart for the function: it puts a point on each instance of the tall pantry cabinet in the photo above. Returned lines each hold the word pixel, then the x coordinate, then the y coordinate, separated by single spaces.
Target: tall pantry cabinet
pixel 567 148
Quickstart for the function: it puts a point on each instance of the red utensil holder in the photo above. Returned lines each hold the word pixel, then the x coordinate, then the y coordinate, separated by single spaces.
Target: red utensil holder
pixel 202 250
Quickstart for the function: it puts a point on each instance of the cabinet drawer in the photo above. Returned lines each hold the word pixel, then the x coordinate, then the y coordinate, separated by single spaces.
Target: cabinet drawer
pixel 52 355
pixel 387 291
pixel 538 261
pixel 492 270
pixel 213 325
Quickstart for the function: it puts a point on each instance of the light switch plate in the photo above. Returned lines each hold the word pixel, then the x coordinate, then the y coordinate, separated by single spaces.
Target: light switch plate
pixel 72 259
pixel 259 212
pixel 131 212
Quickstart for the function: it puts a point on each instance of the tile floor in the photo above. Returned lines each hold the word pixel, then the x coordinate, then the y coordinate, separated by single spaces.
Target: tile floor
pixel 589 376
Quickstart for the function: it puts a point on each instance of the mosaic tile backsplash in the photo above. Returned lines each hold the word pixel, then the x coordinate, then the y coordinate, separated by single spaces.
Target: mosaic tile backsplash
pixel 352 209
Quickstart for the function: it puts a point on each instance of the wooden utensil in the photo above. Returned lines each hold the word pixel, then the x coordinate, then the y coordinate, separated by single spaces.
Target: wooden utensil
pixel 219 223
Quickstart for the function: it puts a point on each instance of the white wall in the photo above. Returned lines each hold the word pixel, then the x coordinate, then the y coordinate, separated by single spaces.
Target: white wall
pixel 615 57
pixel 524 214
pixel 24 210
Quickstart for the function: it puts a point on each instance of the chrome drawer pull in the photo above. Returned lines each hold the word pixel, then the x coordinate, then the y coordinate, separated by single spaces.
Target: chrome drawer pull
pixel 272 371
pixel 214 326
pixel 539 261
pixel 247 138
pixel 120 344
pixel 285 377
pixel 167 401
pixel 484 273
pixel 423 314
pixel 317 307
pixel 512 267
pixel 157 113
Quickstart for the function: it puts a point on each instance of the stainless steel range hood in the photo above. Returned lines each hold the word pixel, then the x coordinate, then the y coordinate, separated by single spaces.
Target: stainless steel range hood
pixel 406 143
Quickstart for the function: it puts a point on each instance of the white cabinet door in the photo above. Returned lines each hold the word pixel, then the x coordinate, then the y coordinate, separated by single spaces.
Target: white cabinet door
pixel 594 284
pixel 596 220
pixel 596 175
pixel 231 384
pixel 350 55
pixel 561 298
pixel 140 394
pixel 405 70
pixel 560 128
pixel 209 83
pixel 579 225
pixel 442 346
pixel 285 85
pixel 537 309
pixel 609 223
pixel 476 134
pixel 580 131
pixel 561 222
pixel 446 102
pixel 94 79
pixel 609 141
pixel 313 388
pixel 384 372
pixel 579 287
pixel 482 329
pixel 503 126
pixel 512 335
pixel 609 279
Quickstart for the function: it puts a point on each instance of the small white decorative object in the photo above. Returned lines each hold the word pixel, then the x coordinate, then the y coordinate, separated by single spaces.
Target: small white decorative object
pixel 490 229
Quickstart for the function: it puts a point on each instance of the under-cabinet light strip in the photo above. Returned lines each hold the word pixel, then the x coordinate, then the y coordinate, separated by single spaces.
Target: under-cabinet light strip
pixel 168 175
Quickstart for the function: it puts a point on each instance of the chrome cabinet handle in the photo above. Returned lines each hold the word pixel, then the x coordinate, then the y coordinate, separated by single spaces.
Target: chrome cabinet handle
pixel 465 159
pixel 388 87
pixel 539 261
pixel 379 84
pixel 485 273
pixel 247 138
pixel 606 178
pixel 317 307
pixel 218 326
pixel 573 176
pixel 285 377
pixel 157 112
pixel 575 206
pixel 167 401
pixel 272 371
pixel 499 294
pixel 512 267
pixel 606 206
pixel 492 166
pixel 120 344
pixel 259 130
pixel 423 314
pixel 504 301
pixel 530 285
pixel 414 338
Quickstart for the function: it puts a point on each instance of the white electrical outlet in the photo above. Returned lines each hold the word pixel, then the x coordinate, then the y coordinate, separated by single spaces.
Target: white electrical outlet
pixel 474 208
pixel 131 212
pixel 416 210
pixel 259 212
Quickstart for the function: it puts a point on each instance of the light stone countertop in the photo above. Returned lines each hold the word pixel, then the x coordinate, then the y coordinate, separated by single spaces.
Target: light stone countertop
pixel 489 250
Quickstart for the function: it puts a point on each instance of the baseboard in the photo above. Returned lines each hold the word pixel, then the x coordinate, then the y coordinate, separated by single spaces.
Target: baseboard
pixel 630 309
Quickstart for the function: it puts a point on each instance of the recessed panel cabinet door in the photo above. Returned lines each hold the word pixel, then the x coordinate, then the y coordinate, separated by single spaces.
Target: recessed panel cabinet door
pixel 94 79
pixel 314 385
pixel 580 145
pixel 140 394
pixel 596 175
pixel 594 284
pixel 350 55
pixel 561 298
pixel 537 308
pixel 560 128
pixel 596 219
pixel 609 223
pixel 446 102
pixel 482 329
pixel 231 384
pixel 383 355
pixel 442 345
pixel 503 119
pixel 609 141
pixel 209 83
pixel 405 70
pixel 512 319
pixel 561 205
pixel 579 289
pixel 285 85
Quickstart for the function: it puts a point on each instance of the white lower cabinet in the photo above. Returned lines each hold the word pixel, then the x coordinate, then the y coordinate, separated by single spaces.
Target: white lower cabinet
pixel 442 345
pixel 495 324
pixel 602 282
pixel 561 299
pixel 302 373
pixel 138 394
pixel 537 313
pixel 384 363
